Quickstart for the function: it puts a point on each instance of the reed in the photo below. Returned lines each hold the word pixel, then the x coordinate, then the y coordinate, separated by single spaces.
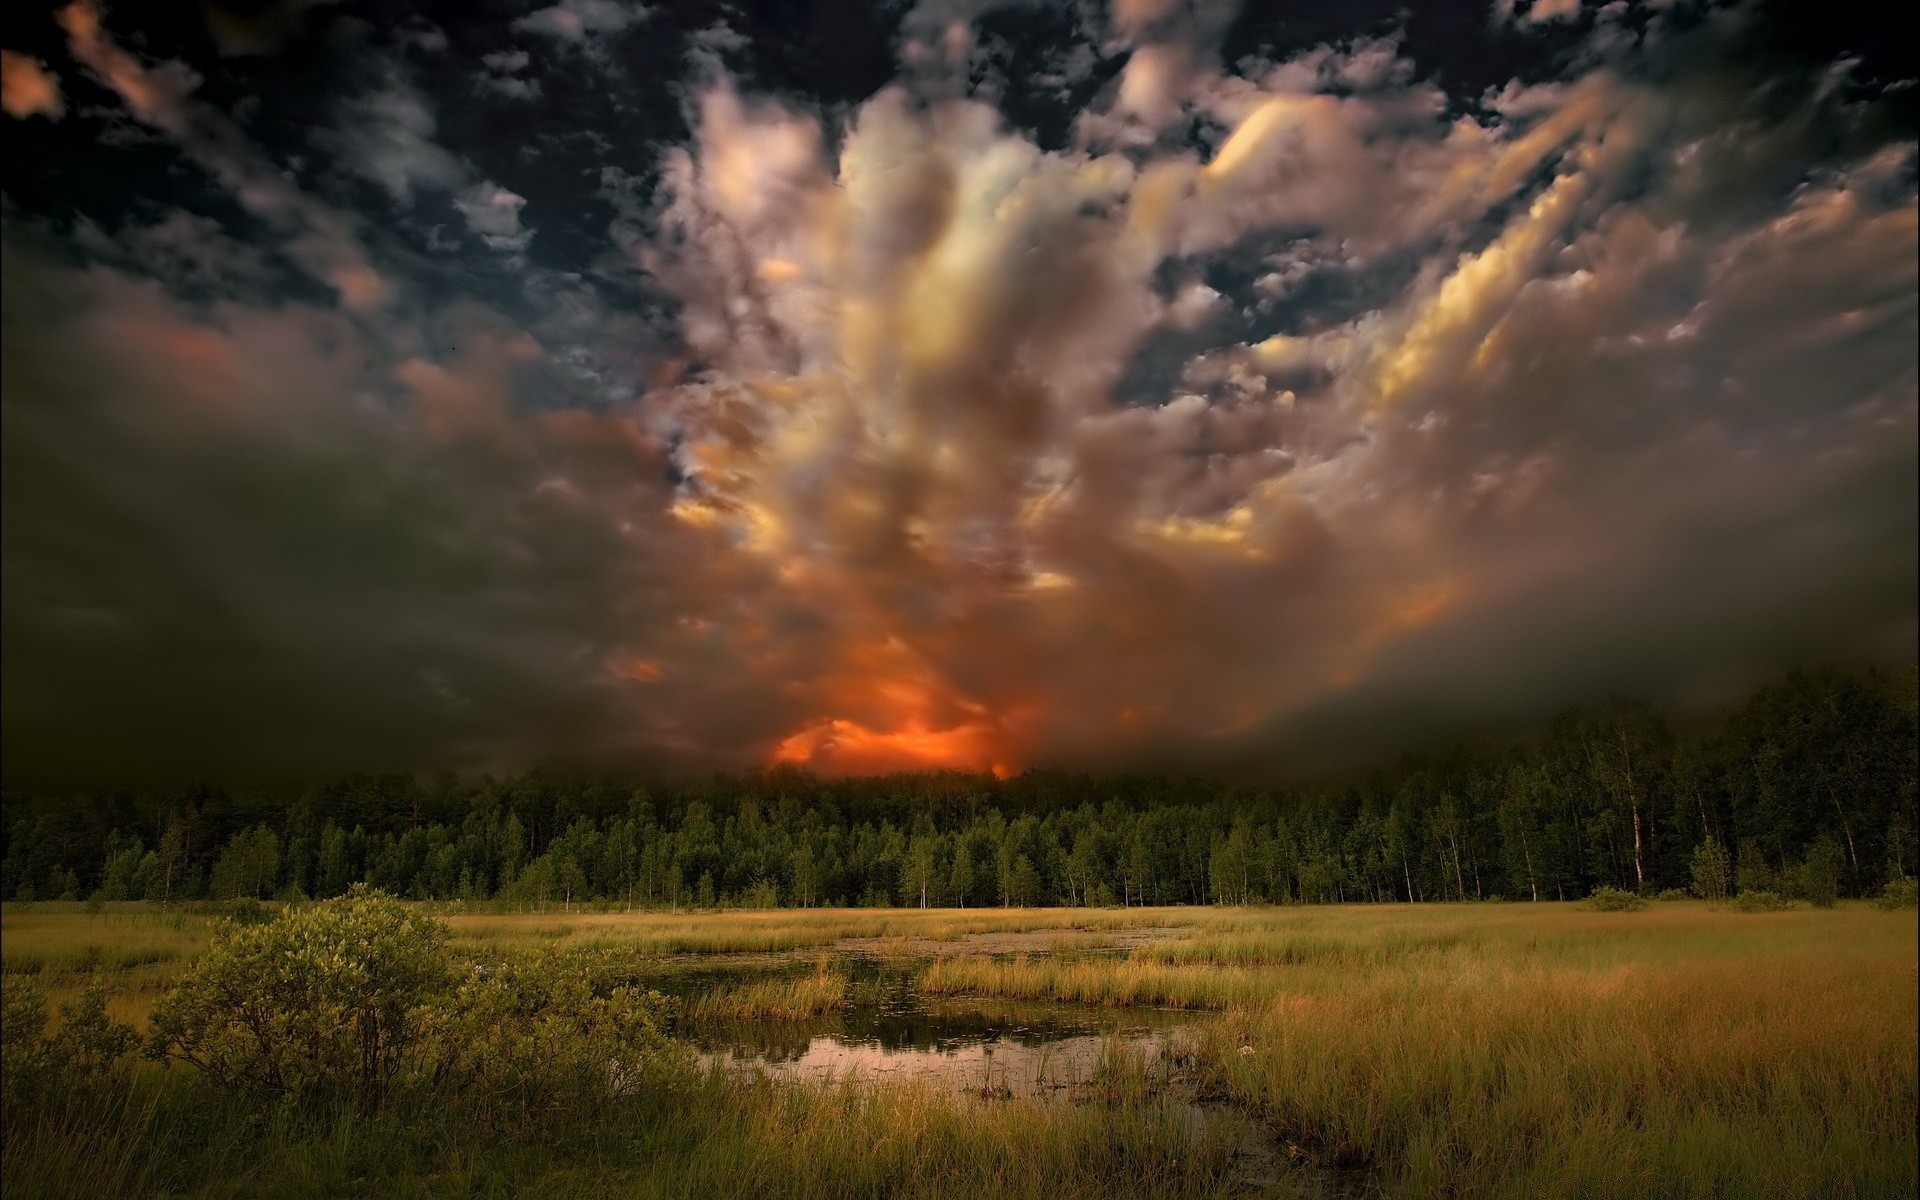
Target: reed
pixel 1496 1050
pixel 774 999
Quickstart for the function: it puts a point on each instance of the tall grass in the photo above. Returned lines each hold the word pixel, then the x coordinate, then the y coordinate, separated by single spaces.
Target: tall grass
pixel 647 933
pixel 1509 1050
pixel 141 948
pixel 706 1135
pixel 1726 1079
pixel 795 999
pixel 1092 981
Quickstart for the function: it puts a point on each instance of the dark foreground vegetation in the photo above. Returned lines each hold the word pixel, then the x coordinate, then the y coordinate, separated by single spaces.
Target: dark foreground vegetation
pixel 344 1048
pixel 1808 790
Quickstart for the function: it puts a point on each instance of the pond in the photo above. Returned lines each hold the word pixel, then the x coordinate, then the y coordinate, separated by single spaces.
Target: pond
pixel 983 1047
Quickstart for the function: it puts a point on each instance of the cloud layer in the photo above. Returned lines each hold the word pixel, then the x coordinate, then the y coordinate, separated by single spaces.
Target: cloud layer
pixel 1280 410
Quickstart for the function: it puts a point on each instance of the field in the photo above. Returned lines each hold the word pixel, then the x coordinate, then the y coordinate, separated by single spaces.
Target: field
pixel 1501 1050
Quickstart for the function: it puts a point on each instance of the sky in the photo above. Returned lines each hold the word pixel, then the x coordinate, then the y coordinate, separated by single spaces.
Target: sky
pixel 1171 384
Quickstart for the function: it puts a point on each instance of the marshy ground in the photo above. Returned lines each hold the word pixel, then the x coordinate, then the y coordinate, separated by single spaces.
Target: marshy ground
pixel 1382 1050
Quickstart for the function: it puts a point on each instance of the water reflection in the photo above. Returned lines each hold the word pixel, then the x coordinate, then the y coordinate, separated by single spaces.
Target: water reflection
pixel 989 1047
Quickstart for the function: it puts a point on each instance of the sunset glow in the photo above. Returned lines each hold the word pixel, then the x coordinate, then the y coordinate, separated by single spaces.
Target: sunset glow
pixel 840 747
pixel 1089 386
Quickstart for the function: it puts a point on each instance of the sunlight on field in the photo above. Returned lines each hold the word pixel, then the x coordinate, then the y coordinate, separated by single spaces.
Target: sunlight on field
pixel 1497 1050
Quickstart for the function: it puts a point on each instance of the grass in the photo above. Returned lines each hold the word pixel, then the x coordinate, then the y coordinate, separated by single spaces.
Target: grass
pixel 774 999
pixel 657 934
pixel 1092 981
pixel 706 1135
pixel 1498 1050
pixel 141 948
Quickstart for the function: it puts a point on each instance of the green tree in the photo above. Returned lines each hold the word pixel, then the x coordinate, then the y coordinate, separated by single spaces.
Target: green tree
pixel 1712 871
pixel 961 885
pixel 249 866
pixel 1817 881
pixel 1231 867
pixel 1023 882
pixel 1752 872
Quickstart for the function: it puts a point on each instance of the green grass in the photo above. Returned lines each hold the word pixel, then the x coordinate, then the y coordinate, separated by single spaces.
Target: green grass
pixel 1497 1050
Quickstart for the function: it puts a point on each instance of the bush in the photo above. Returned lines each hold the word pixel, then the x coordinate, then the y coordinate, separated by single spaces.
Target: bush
pixel 244 911
pixel 1612 899
pixel 1817 879
pixel 536 1035
pixel 25 1059
pixel 318 1002
pixel 1761 900
pixel 350 999
pixel 1903 892
pixel 1673 894
pixel 1753 873
pixel 89 1041
pixel 88 1044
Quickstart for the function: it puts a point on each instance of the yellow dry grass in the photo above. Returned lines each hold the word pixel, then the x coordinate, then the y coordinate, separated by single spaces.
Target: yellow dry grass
pixel 1499 1050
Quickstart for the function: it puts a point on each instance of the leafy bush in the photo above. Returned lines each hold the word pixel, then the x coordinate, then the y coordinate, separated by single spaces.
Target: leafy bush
pixel 1903 892
pixel 244 911
pixel 1612 899
pixel 352 998
pixel 536 1035
pixel 318 1002
pixel 1753 872
pixel 25 1057
pixel 1761 900
pixel 1817 879
pixel 1673 894
pixel 88 1044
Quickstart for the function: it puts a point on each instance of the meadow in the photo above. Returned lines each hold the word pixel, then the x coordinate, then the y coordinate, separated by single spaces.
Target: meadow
pixel 1498 1050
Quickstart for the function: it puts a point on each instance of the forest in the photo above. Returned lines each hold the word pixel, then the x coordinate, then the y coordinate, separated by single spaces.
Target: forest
pixel 1808 788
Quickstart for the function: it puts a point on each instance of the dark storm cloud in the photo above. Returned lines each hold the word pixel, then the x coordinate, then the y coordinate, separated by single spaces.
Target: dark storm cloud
pixel 232 538
pixel 622 384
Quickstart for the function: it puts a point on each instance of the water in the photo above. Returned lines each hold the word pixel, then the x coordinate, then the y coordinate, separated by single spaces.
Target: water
pixel 983 1047
pixel 990 1049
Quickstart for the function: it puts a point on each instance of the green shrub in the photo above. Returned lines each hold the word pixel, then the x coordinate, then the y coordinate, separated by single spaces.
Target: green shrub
pixel 1903 892
pixel 1673 894
pixel 318 1002
pixel 25 1057
pixel 1817 879
pixel 354 998
pixel 1761 900
pixel 1753 872
pixel 1612 899
pixel 88 1043
pixel 244 911
pixel 535 1035
pixel 1712 870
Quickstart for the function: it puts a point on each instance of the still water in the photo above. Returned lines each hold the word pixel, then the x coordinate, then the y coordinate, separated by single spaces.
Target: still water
pixel 984 1047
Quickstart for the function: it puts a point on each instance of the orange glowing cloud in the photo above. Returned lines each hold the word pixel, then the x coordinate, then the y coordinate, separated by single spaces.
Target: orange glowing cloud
pixel 114 66
pixel 27 88
pixel 836 746
pixel 888 710
pixel 640 670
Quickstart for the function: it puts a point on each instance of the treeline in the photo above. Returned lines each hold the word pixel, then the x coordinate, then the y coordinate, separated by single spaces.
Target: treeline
pixel 1816 772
